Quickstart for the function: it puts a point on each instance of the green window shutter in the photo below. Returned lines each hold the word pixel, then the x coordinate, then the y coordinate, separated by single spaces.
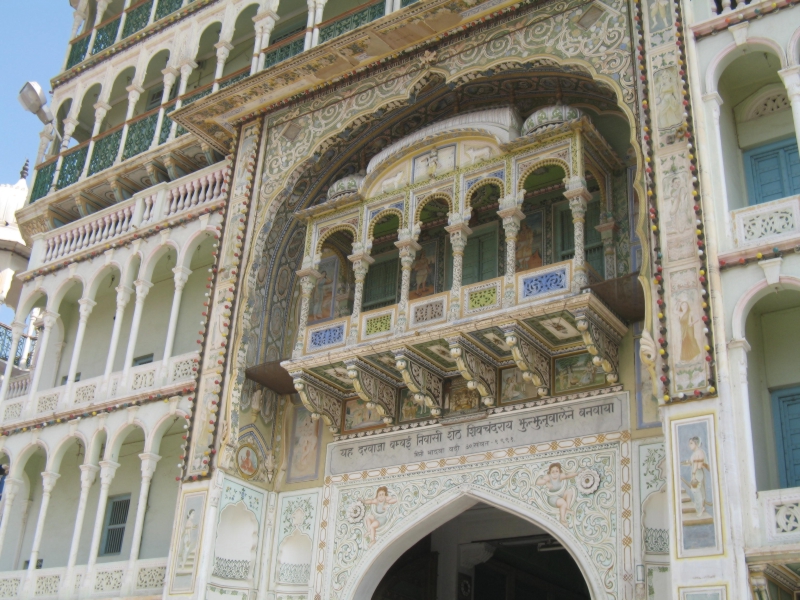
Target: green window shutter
pixel 595 255
pixel 772 171
pixel 380 285
pixel 480 258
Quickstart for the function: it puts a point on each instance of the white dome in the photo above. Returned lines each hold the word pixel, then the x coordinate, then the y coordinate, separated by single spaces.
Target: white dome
pixel 12 198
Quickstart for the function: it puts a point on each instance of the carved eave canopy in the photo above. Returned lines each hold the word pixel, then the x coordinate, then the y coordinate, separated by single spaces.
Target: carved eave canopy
pixel 329 206
pixel 423 24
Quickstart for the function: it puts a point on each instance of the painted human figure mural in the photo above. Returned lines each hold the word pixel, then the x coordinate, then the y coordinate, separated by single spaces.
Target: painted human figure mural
pixel 379 513
pixel 697 485
pixel 188 545
pixel 559 494
pixel 689 347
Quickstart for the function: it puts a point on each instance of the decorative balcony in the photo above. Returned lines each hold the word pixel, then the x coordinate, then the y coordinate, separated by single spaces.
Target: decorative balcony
pixel 108 579
pixel 24 351
pixel 147 15
pixel 96 392
pixel 116 223
pixel 763 227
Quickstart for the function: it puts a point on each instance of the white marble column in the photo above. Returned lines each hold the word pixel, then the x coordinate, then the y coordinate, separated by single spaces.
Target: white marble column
pixel 408 251
pixel 791 79
pixel 170 76
pixel 142 289
pixel 134 93
pixel 16 333
pixel 149 463
pixel 713 103
pixel 88 476
pixel 267 22
pixel 108 469
pixel 10 488
pixel 186 71
pixel 86 306
pixel 309 24
pixel 308 281
pixel 70 123
pixel 102 5
pixel 49 319
pixel 459 232
pixel 123 297
pixel 318 9
pixel 181 277
pixel 101 109
pixel 512 215
pixel 224 48
pixel 122 18
pixel 361 261
pixel 578 196
pixel 48 483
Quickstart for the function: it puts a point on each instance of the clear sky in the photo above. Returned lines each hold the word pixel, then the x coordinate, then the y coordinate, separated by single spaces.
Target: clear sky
pixel 32 47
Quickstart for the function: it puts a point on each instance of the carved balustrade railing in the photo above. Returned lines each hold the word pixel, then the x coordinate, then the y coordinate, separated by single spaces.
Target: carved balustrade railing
pixel 87 393
pixel 148 207
pixel 768 224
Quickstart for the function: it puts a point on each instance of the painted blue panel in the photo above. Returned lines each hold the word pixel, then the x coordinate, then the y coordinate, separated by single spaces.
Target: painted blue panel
pixel 787 415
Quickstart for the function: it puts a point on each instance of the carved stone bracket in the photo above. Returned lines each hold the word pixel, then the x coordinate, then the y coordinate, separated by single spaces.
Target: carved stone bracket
pixel 530 358
pixel 427 386
pixel 601 344
pixel 476 368
pixel 319 401
pixel 373 389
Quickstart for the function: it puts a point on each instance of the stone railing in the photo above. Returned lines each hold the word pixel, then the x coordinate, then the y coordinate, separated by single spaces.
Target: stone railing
pixel 109 580
pixel 780 516
pixel 767 224
pixel 148 207
pixel 19 386
pixel 477 299
pixel 89 392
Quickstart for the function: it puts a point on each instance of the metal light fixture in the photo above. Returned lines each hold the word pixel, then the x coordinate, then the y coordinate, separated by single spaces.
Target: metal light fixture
pixel 32 98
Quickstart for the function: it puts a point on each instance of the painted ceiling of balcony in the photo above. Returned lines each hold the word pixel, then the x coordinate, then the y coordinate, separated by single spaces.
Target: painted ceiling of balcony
pixel 747 74
pixel 210 118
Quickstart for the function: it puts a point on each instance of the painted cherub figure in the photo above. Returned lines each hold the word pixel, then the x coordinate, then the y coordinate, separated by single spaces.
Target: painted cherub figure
pixel 559 494
pixel 379 514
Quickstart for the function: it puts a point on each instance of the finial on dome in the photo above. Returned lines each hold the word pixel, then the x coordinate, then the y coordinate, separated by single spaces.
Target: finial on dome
pixel 23 174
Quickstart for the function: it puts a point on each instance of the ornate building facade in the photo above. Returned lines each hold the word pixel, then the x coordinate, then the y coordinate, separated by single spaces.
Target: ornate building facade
pixel 409 299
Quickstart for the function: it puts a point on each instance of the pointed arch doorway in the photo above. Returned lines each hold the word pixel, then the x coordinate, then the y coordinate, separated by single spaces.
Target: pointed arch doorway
pixel 485 553
pixel 480 536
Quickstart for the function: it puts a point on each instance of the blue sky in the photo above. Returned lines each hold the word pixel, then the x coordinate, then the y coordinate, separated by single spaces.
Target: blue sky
pixel 33 47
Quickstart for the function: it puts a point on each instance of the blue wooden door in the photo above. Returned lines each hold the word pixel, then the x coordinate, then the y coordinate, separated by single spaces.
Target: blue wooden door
pixel 786 406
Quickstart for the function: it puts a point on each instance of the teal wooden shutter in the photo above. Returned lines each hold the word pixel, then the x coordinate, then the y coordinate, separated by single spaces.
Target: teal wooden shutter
pixel 594 241
pixel 786 408
pixel 772 171
pixel 470 270
pixel 380 285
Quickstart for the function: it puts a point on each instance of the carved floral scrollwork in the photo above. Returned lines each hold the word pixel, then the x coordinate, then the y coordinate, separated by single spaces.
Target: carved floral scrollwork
pixel 426 385
pixel 319 402
pixel 373 390
pixel 480 374
pixel 603 348
pixel 534 364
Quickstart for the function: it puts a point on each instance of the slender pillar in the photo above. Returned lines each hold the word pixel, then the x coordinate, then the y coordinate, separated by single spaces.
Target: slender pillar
pixel 10 488
pixel 102 5
pixel 309 24
pixel 46 136
pixel 108 469
pixel 48 483
pixel 223 52
pixel 134 93
pixel 181 277
pixel 398 4
pixel 70 123
pixel 149 462
pixel 88 476
pixel 308 281
pixel 459 231
pixel 142 289
pixel 86 306
pixel 578 195
pixel 713 103
pixel 16 333
pixel 122 18
pixel 267 22
pixel 361 261
pixel 318 8
pixel 100 111
pixel 408 251
pixel 123 297
pixel 791 79
pixel 49 319
pixel 512 216
pixel 186 71
pixel 170 76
